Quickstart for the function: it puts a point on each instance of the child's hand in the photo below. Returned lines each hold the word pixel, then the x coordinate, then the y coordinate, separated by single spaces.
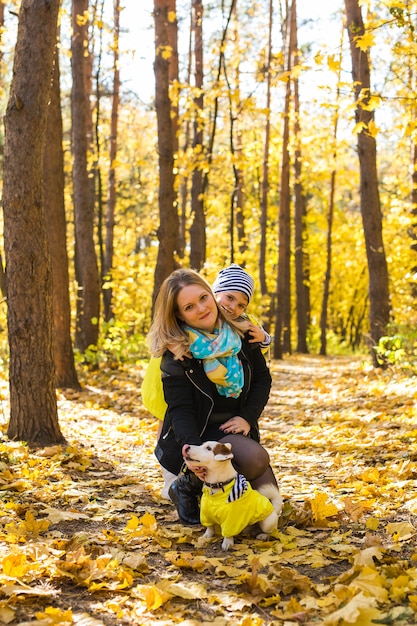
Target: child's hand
pixel 257 334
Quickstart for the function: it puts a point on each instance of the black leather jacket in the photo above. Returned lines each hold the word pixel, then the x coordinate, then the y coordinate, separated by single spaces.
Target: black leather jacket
pixel 189 396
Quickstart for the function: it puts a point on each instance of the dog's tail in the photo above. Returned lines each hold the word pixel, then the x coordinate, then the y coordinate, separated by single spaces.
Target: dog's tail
pixel 271 492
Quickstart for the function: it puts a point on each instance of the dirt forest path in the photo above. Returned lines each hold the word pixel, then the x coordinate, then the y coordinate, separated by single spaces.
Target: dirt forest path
pixel 87 539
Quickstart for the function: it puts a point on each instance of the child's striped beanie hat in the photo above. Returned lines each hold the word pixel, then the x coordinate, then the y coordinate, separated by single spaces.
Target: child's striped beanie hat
pixel 234 278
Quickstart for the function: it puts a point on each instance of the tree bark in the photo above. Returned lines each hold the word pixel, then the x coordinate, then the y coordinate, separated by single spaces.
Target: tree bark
pixel 33 406
pixel 283 313
pixel 302 278
pixel 53 194
pixel 111 200
pixel 265 163
pixel 88 297
pixel 2 274
pixel 168 216
pixel 379 302
pixel 198 218
pixel 330 216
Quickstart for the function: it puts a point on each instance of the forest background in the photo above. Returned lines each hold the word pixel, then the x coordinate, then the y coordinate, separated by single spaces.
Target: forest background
pixel 274 109
pixel 254 150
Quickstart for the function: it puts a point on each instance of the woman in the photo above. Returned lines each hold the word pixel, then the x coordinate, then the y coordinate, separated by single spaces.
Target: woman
pixel 215 382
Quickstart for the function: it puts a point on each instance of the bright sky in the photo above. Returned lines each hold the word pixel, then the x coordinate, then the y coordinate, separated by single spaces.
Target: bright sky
pixel 137 26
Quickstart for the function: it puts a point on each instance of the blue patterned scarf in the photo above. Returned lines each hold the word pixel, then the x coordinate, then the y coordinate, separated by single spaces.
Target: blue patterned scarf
pixel 218 351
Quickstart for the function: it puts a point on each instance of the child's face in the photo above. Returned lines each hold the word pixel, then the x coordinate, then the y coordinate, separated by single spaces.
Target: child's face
pixel 234 303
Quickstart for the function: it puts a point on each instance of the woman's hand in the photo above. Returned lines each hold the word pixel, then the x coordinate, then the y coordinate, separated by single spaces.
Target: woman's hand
pixel 236 425
pixel 198 470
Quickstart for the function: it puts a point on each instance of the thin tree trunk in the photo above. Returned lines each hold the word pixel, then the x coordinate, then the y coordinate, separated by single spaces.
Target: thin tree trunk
pixel 198 221
pixel 2 274
pixel 302 287
pixel 330 214
pixel 111 200
pixel 413 229
pixel 379 301
pixel 168 217
pixel 265 163
pixel 283 315
pixel 184 185
pixel 88 296
pixel 33 406
pixel 237 200
pixel 93 133
pixel 53 194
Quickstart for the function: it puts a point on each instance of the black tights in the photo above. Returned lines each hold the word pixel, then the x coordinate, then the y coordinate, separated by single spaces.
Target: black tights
pixel 251 460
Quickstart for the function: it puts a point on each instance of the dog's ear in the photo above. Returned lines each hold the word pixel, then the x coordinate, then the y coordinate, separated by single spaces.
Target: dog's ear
pixel 223 451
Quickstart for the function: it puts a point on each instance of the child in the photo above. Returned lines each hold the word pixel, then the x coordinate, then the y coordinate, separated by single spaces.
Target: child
pixel 233 289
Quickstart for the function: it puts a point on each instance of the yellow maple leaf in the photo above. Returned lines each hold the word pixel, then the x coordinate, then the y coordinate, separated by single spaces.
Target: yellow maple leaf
pixel 55 616
pixel 365 41
pixel 15 565
pixel 34 526
pixel 165 52
pixel 187 591
pixel 359 611
pixel 372 523
pixel 333 63
pixel 371 583
pixel 133 523
pixel 400 531
pixel 371 475
pixel 400 586
pixel 251 620
pixel 367 556
pixel 373 129
pixel 153 597
pixel 321 508
pixel 318 58
pixel 413 602
pixel 359 127
pixel 149 521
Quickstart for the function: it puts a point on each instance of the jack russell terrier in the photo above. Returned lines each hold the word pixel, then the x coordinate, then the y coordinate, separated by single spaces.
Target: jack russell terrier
pixel 228 499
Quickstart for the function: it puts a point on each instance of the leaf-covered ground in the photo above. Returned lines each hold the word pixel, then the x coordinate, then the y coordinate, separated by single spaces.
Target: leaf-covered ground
pixel 87 539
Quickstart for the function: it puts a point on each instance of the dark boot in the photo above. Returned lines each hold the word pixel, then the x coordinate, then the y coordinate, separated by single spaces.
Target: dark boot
pixel 184 493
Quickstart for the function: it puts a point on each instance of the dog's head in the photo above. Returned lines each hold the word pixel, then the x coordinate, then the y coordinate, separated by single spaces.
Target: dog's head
pixel 208 453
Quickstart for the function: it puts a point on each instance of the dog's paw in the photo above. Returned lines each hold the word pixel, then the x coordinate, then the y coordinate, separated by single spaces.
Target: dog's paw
pixel 209 533
pixel 201 542
pixel 227 543
pixel 263 536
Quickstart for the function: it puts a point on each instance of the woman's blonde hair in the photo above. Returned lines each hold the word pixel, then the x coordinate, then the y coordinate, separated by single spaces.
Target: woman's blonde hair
pixel 167 330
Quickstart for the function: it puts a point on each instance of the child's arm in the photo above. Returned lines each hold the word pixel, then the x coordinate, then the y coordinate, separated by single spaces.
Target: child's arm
pixel 259 335
pixel 257 332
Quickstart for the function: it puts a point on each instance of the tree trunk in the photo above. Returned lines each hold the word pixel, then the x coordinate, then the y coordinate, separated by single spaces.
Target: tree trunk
pixel 330 215
pixel 369 194
pixel 237 203
pixel 168 217
pixel 302 287
pixel 198 223
pixel 413 229
pixel 53 194
pixel 184 184
pixel 33 407
pixel 111 200
pixel 265 163
pixel 88 297
pixel 283 313
pixel 2 274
